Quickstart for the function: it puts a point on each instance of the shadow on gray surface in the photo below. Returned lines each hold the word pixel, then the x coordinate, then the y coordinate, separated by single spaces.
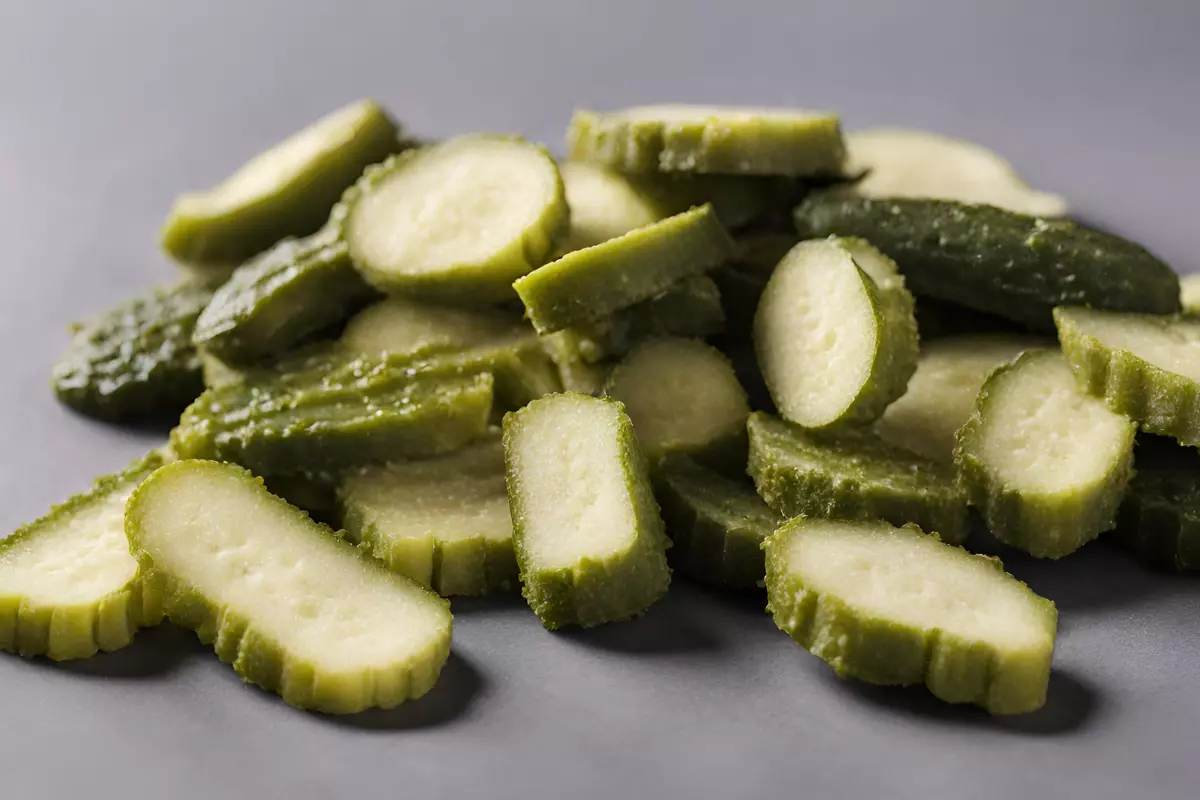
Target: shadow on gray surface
pixel 669 627
pixel 458 688
pixel 154 652
pixel 1070 704
pixel 495 604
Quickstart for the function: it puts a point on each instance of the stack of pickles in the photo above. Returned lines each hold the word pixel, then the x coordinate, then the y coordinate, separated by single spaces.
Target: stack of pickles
pixel 733 342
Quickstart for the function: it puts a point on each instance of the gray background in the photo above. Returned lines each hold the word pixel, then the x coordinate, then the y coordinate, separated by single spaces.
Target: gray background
pixel 107 110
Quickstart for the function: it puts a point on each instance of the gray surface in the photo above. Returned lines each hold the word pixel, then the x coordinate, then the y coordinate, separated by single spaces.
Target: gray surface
pixel 109 109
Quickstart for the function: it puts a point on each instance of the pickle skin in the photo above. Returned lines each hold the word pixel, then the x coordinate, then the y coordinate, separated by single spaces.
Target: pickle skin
pixel 879 651
pixel 216 244
pixel 77 631
pixel 1159 519
pixel 757 146
pixel 276 300
pixel 135 359
pixel 263 662
pixel 596 591
pixel 1011 265
pixel 841 489
pixel 1161 402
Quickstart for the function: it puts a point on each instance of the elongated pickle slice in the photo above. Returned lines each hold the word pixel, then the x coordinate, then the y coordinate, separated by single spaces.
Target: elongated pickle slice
pixel 68 586
pixel 289 606
pixel 458 221
pixel 1046 464
pixel 941 393
pixel 588 285
pixel 285 191
pixel 1011 265
pixel 835 334
pixel 717 525
pixel 683 397
pixel 341 414
pixel 683 138
pixel 586 529
pixel 907 163
pixel 852 475
pixel 442 521
pixel 275 301
pixel 893 606
pixel 137 359
pixel 1143 366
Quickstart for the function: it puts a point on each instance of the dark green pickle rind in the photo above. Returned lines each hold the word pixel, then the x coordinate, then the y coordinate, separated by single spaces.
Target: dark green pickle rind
pixel 596 591
pixel 1159 519
pixel 878 651
pixel 278 299
pixel 216 245
pixel 717 525
pixel 337 415
pixel 28 630
pixel 1161 401
pixel 137 359
pixel 853 474
pixel 1011 265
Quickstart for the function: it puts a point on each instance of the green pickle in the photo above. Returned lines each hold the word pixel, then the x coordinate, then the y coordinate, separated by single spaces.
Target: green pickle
pixel 1159 518
pixel 135 360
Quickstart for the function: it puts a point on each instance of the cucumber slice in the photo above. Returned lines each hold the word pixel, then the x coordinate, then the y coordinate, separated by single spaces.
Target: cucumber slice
pixel 1189 290
pixel 588 285
pixel 68 586
pixel 356 412
pixel 136 359
pixel 717 526
pixel 1159 520
pixel 586 529
pixel 852 475
pixel 496 342
pixel 683 397
pixel 443 522
pixel 606 204
pixel 891 606
pixel 689 309
pixel 285 191
pixel 293 609
pixel 1046 464
pixel 908 163
pixel 682 138
pixel 835 333
pixel 941 393
pixel 275 301
pixel 992 260
pixel 1145 367
pixel 458 221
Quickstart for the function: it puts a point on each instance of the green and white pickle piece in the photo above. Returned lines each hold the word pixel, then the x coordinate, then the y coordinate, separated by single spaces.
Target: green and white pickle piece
pixel 835 334
pixel 729 139
pixel 1159 519
pixel 852 475
pixel 576 374
pixel 457 221
pixel 68 586
pixel 683 397
pixel 289 606
pixel 588 285
pixel 907 163
pixel 1046 464
pixel 285 191
pixel 895 607
pixel 941 393
pixel 717 525
pixel 1012 265
pixel 1144 366
pixel 276 300
pixel 1189 291
pixel 443 522
pixel 586 528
